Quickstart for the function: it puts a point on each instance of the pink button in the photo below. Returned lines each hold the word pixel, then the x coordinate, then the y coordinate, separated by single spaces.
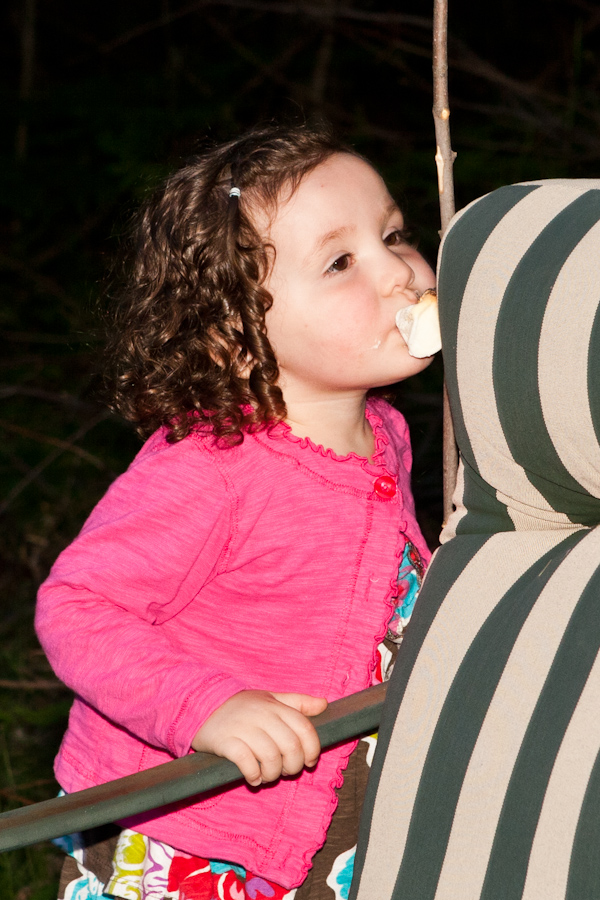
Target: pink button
pixel 385 487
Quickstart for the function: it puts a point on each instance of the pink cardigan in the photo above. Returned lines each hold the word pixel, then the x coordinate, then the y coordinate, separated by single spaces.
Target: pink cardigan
pixel 203 572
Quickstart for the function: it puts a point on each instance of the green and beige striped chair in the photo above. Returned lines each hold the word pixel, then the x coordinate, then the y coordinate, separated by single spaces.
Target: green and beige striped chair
pixel 486 781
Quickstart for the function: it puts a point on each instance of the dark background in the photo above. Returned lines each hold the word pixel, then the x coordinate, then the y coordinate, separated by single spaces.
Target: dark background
pixel 99 101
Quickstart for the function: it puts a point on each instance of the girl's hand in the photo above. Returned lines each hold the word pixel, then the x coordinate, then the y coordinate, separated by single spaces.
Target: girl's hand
pixel 266 735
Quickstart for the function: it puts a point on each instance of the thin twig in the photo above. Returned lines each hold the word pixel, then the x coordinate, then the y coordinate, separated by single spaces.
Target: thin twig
pixel 466 60
pixel 322 62
pixel 312 10
pixel 444 158
pixel 34 337
pixel 27 74
pixel 72 238
pixel 37 470
pixel 41 782
pixel 320 11
pixel 44 283
pixel 55 442
pixel 22 613
pixel 39 684
pixel 301 92
pixel 275 66
pixel 389 54
pixel 23 801
pixel 62 399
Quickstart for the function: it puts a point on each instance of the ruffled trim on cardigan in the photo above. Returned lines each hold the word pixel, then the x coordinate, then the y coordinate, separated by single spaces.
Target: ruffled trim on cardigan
pixel 282 429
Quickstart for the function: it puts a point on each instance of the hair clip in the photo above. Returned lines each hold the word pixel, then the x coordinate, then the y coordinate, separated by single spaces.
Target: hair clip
pixel 235 192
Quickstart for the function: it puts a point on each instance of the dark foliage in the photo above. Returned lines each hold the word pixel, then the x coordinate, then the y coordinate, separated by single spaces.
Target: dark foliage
pixel 99 101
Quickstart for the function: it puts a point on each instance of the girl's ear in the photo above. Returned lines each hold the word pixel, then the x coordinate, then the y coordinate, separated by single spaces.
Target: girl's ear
pixel 270 256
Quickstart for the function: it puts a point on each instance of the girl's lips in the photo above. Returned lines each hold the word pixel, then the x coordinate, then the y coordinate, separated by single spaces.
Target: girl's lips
pixel 419 325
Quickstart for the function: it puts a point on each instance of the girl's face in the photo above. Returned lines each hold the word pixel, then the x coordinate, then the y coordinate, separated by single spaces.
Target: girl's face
pixel 341 272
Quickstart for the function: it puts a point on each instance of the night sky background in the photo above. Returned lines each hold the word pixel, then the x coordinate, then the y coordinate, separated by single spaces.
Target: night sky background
pixel 99 102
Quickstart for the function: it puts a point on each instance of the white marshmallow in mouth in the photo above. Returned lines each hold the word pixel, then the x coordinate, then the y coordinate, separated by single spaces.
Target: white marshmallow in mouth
pixel 419 325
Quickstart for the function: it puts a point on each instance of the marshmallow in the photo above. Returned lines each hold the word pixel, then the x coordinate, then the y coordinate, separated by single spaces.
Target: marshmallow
pixel 419 325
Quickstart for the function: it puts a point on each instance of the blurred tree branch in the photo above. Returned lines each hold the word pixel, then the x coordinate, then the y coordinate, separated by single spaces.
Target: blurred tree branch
pixel 275 68
pixel 40 684
pixel 311 10
pixel 302 93
pixel 54 442
pixel 44 283
pixel 323 56
pixel 60 398
pixel 27 75
pixel 37 470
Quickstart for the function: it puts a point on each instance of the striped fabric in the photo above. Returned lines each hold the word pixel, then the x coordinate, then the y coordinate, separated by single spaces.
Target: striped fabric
pixel 486 780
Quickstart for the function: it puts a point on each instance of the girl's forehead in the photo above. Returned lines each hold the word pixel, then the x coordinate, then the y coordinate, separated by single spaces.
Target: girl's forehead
pixel 341 173
pixel 342 181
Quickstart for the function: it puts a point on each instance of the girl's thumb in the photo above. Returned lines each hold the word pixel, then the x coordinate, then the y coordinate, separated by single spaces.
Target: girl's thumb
pixel 304 703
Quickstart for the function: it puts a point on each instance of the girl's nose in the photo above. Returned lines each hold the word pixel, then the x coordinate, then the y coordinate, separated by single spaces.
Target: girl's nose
pixel 398 275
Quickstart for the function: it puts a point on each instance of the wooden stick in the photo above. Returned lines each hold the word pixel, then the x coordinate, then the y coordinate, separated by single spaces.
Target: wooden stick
pixel 444 159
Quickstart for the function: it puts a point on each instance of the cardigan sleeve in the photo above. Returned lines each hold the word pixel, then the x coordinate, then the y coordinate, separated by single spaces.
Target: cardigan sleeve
pixel 159 534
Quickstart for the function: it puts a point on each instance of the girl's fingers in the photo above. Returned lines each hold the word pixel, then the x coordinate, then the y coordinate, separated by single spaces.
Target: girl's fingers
pixel 278 749
pixel 291 749
pixel 275 747
pixel 265 735
pixel 245 759
pixel 302 705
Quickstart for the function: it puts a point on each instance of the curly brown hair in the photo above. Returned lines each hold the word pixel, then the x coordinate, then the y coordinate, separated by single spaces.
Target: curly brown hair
pixel 189 345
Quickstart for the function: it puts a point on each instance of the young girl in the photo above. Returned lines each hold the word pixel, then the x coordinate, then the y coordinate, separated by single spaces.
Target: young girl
pixel 246 567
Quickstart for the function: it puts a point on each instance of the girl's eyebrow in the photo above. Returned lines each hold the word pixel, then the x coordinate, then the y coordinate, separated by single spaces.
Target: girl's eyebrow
pixel 328 238
pixel 333 235
pixel 336 233
pixel 391 209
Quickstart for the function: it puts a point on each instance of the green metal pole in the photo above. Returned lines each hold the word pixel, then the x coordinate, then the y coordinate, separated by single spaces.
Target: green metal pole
pixel 171 782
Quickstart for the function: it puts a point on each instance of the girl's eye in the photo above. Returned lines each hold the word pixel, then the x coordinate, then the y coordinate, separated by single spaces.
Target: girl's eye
pixel 340 264
pixel 397 237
